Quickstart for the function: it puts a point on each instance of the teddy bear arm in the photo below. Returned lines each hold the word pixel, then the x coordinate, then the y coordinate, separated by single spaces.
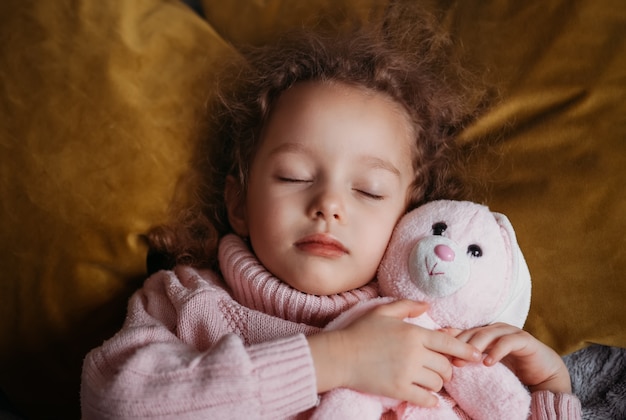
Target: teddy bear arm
pixel 489 392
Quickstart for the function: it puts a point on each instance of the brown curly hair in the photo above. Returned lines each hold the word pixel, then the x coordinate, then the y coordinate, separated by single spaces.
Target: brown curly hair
pixel 414 66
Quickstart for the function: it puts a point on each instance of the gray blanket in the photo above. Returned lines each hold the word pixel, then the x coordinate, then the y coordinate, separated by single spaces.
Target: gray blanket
pixel 599 379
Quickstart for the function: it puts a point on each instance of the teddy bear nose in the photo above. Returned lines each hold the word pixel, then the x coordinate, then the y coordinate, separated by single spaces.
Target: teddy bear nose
pixel 444 252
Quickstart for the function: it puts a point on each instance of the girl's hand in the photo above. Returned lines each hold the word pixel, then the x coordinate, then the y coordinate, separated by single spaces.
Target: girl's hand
pixel 534 363
pixel 381 354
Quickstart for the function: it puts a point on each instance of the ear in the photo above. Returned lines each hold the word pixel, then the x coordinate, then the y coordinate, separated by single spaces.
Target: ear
pixel 516 310
pixel 236 207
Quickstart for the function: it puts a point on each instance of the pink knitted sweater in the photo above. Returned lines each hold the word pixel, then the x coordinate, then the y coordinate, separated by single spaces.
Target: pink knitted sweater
pixel 197 346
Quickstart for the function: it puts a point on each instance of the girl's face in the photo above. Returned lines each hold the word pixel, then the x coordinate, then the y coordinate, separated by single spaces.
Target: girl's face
pixel 326 187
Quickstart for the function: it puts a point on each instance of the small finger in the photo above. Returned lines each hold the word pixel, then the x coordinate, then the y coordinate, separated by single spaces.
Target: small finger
pixel 483 338
pixel 454 332
pixel 441 365
pixel 430 380
pixel 421 397
pixel 502 347
pixel 448 345
pixel 458 362
pixel 403 308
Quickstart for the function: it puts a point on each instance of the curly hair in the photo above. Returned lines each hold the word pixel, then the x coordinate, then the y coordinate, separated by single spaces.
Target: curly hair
pixel 414 66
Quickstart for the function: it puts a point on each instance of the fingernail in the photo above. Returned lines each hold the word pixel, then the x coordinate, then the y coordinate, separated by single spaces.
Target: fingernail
pixel 488 360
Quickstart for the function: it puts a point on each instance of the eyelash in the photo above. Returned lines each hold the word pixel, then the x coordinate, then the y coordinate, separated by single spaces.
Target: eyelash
pixel 294 180
pixel 370 195
pixel 362 192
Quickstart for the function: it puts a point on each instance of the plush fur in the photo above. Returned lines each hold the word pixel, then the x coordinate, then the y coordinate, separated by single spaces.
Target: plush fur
pixel 464 261
pixel 599 380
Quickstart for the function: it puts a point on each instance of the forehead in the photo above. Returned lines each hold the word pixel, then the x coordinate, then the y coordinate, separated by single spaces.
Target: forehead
pixel 322 110
pixel 305 95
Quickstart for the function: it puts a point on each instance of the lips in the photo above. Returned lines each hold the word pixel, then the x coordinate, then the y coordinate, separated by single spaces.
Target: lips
pixel 321 245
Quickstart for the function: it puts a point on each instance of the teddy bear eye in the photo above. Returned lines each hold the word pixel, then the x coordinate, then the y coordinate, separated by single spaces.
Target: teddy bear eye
pixel 474 251
pixel 439 228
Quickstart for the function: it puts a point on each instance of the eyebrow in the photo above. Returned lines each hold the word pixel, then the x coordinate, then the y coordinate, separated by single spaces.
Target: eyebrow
pixel 289 148
pixel 370 161
pixel 378 163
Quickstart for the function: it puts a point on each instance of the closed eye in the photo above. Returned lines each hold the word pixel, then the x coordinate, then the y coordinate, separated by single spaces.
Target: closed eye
pixel 371 195
pixel 292 180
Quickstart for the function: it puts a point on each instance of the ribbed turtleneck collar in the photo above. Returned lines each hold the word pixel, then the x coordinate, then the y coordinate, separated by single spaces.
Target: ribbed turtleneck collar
pixel 255 287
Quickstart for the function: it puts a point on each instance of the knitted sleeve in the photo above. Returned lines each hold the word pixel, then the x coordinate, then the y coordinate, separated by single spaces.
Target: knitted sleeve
pixel 147 371
pixel 546 405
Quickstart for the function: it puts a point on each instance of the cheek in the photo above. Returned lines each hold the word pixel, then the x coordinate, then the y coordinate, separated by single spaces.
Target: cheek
pixel 269 217
pixel 377 236
pixel 257 209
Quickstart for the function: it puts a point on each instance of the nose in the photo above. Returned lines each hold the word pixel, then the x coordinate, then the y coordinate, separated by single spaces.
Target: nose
pixel 444 252
pixel 328 205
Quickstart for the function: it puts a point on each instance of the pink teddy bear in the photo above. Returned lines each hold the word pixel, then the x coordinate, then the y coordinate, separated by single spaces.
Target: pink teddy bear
pixel 465 262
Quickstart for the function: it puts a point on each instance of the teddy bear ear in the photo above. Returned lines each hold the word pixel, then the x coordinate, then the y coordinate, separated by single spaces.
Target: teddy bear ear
pixel 518 304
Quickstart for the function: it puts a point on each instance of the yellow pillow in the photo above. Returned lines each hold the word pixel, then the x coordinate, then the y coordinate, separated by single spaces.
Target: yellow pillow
pixel 246 22
pixel 99 103
pixel 554 153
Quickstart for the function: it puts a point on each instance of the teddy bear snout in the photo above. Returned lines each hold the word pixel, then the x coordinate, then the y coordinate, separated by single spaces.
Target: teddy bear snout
pixel 437 267
pixel 444 252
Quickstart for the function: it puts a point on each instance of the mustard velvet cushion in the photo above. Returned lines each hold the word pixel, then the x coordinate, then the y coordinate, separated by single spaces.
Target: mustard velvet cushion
pixel 101 102
pixel 99 105
pixel 248 22
pixel 554 154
